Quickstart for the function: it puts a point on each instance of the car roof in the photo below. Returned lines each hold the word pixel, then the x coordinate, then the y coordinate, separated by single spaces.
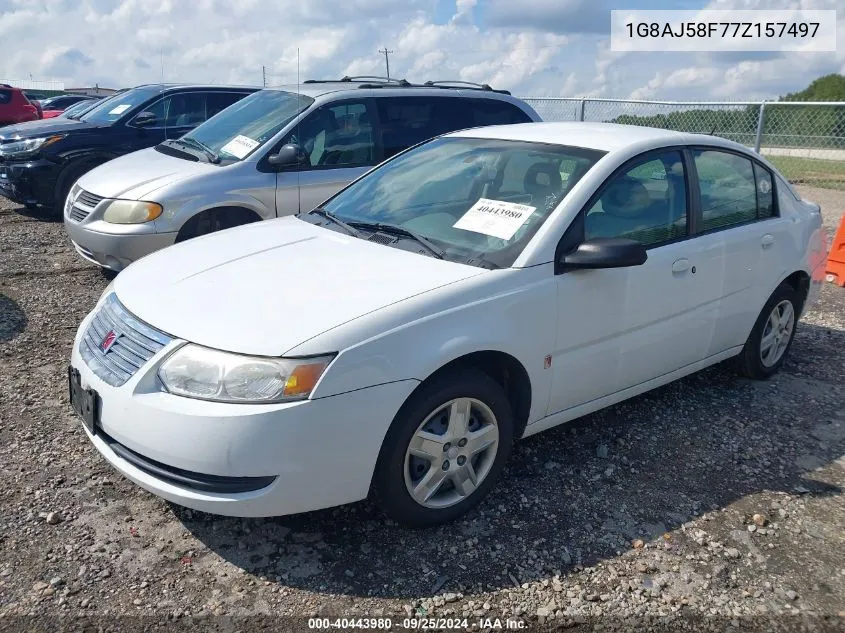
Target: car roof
pixel 169 87
pixel 608 137
pixel 319 88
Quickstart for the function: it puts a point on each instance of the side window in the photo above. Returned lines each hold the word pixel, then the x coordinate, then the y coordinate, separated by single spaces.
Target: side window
pixel 338 136
pixel 406 121
pixel 159 109
pixel 765 193
pixel 728 188
pixel 186 109
pixel 5 96
pixel 647 203
pixel 219 101
pixel 495 112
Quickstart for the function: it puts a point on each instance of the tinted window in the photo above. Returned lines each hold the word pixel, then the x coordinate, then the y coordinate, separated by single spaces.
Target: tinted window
pixel 219 101
pixel 185 109
pixel 337 136
pixel 495 112
pixel 765 193
pixel 5 96
pixel 647 203
pixel 728 188
pixel 406 121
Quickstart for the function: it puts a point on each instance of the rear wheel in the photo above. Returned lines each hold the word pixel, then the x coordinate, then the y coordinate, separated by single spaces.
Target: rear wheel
pixel 445 449
pixel 214 220
pixel 772 335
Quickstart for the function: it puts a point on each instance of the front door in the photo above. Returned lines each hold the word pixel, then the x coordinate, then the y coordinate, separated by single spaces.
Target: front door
pixel 339 144
pixel 618 328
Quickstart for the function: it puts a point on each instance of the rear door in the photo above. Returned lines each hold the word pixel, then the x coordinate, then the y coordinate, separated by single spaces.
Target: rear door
pixel 738 209
pixel 339 140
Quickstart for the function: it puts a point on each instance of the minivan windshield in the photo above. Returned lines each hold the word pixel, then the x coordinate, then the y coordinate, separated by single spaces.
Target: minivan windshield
pixel 245 126
pixel 477 201
pixel 116 107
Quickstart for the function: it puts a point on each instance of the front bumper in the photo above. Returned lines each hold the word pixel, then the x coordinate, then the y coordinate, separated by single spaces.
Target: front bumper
pixel 115 251
pixel 29 182
pixel 314 454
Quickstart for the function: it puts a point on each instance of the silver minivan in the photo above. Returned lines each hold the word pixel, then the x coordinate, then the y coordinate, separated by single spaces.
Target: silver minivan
pixel 277 152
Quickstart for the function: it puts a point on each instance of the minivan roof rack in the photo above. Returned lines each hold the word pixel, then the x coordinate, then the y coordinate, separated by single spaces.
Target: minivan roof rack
pixel 462 84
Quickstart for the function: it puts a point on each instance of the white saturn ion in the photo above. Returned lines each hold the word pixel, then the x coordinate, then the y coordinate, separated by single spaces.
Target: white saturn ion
pixel 478 288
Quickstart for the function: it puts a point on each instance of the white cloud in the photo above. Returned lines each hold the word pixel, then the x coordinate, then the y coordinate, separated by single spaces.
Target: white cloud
pixel 538 47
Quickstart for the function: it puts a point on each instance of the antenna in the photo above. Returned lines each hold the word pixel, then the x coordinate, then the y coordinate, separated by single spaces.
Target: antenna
pixel 386 59
pixel 298 140
pixel 264 75
pixel 161 57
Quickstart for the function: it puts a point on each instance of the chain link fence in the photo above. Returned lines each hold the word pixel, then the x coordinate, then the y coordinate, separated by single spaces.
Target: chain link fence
pixel 805 140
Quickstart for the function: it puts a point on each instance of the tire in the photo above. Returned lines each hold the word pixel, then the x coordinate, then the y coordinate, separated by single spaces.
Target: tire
pixel 454 458
pixel 759 361
pixel 67 179
pixel 215 220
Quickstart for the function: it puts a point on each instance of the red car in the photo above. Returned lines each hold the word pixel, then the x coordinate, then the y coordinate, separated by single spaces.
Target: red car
pixel 15 107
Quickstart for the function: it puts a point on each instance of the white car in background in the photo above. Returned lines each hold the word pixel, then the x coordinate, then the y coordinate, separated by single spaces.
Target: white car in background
pixel 481 287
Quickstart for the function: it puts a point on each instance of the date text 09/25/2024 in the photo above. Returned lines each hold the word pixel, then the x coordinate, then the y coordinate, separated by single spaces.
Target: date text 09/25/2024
pixel 421 624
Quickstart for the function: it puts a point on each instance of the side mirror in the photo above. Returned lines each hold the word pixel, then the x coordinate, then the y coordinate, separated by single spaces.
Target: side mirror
pixel 609 252
pixel 290 154
pixel 145 119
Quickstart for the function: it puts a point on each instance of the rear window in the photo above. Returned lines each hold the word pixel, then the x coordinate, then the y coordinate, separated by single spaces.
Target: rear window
pixel 5 96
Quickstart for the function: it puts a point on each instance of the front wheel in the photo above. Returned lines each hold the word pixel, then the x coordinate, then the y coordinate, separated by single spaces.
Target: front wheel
pixel 445 449
pixel 772 335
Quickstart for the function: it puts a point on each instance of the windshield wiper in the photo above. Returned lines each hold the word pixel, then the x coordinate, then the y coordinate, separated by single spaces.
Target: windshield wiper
pixel 439 253
pixel 212 156
pixel 333 218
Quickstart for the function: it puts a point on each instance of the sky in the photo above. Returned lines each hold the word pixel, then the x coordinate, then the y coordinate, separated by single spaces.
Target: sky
pixel 530 47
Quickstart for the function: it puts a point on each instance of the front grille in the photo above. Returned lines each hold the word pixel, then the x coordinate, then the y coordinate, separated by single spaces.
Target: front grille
pixel 83 205
pixel 88 199
pixel 134 344
pixel 78 214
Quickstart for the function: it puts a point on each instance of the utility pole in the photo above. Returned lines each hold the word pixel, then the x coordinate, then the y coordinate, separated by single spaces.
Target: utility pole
pixel 264 75
pixel 386 59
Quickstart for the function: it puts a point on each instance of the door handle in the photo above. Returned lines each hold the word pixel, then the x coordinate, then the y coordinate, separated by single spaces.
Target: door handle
pixel 767 240
pixel 680 265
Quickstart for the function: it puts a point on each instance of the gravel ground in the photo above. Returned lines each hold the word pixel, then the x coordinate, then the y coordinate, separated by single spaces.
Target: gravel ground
pixel 714 496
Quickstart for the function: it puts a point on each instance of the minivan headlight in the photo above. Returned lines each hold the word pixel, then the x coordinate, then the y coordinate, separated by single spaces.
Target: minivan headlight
pixel 131 211
pixel 28 146
pixel 207 374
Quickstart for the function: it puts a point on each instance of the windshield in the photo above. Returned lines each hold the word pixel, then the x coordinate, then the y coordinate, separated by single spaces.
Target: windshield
pixel 475 199
pixel 114 108
pixel 245 126
pixel 78 108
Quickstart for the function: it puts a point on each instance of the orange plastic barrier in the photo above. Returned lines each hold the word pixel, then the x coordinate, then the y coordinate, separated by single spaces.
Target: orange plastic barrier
pixel 836 259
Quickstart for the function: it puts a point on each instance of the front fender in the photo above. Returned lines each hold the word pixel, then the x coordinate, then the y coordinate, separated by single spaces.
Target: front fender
pixel 514 312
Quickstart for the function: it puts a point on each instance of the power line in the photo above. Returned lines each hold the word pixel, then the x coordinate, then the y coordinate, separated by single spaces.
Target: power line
pixel 386 59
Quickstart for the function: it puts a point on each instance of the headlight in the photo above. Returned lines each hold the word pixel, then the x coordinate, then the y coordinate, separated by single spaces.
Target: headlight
pixel 131 212
pixel 200 372
pixel 28 146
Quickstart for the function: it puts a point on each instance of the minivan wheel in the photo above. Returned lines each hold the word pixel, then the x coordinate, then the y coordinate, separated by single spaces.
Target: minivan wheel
pixel 214 220
pixel 772 335
pixel 445 450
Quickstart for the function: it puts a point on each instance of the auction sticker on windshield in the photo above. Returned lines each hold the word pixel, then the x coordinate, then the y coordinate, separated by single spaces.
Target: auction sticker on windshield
pixel 495 218
pixel 240 146
pixel 120 109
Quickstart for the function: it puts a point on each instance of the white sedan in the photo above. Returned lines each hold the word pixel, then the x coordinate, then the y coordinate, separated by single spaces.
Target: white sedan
pixel 479 288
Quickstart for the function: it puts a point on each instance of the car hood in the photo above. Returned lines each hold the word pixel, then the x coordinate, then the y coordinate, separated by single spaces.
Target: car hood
pixel 44 127
pixel 266 287
pixel 137 175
